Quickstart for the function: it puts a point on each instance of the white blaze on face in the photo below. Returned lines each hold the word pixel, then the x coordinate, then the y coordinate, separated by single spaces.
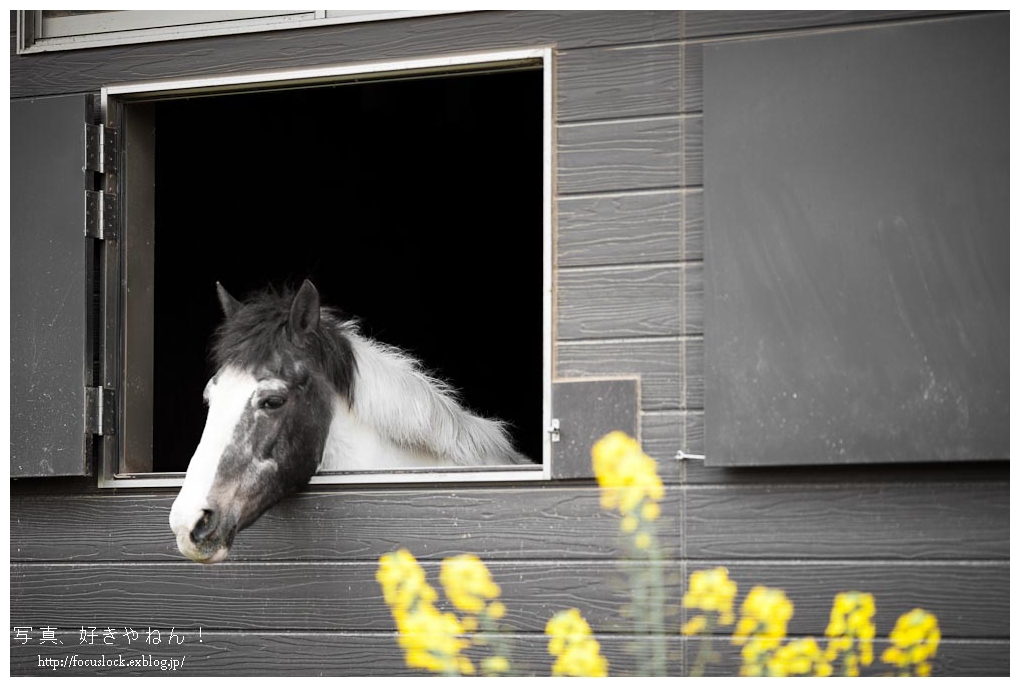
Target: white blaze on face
pixel 228 394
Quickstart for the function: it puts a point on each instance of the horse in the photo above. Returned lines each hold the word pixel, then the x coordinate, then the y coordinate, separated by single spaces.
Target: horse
pixel 299 388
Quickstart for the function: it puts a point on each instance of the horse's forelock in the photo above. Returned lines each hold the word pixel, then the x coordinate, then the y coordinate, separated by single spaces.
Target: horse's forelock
pixel 257 336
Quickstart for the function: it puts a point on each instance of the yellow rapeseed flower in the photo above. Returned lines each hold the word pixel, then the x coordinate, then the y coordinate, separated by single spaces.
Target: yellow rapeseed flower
pixel 851 627
pixel 694 626
pixel 762 627
pixel 402 579
pixel 627 476
pixel 577 652
pixel 915 639
pixel 467 583
pixel 431 640
pixel 802 657
pixel 650 511
pixel 496 610
pixel 496 665
pixel 712 591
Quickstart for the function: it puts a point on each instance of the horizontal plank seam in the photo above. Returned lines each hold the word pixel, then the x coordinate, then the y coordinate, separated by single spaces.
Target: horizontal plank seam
pixel 878 562
pixel 305 632
pixel 636 45
pixel 555 563
pixel 623 46
pixel 145 500
pixel 570 195
pixel 692 262
pixel 832 486
pixel 625 194
pixel 682 115
pixel 665 338
pixel 656 117
pixel 382 634
pixel 40 563
pixel 620 267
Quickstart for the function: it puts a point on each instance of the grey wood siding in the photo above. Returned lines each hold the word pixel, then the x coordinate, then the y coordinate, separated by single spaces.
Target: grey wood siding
pixel 298 595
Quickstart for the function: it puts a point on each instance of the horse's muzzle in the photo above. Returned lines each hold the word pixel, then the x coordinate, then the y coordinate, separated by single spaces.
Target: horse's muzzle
pixel 204 536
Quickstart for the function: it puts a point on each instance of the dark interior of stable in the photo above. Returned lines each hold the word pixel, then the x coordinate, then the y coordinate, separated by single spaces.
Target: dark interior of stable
pixel 414 205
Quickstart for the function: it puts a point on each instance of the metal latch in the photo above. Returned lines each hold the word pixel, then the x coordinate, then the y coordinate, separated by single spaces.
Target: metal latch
pixel 681 455
pixel 100 410
pixel 554 430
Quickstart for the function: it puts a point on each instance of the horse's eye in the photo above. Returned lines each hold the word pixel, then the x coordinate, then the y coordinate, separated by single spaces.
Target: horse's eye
pixel 272 402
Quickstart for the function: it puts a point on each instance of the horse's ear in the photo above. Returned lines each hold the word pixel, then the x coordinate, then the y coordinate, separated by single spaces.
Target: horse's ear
pixel 304 311
pixel 229 304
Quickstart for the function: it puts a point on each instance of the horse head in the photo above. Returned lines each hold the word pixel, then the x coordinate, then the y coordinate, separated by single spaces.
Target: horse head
pixel 270 407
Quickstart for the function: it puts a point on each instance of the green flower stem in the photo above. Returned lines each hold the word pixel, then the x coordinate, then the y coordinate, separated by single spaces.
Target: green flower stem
pixel 705 652
pixel 500 646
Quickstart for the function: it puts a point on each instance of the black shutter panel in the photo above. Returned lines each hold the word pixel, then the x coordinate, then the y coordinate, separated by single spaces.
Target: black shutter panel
pixel 857 256
pixel 49 299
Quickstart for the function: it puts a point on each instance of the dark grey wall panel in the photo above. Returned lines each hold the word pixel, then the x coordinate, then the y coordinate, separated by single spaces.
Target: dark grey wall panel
pixel 328 596
pixel 693 145
pixel 618 302
pixel 971 658
pixel 858 298
pixel 966 598
pixel 693 385
pixel 376 654
pixel 618 156
pixel 618 82
pixel 619 229
pixel 693 66
pixel 656 361
pixel 661 434
pixel 494 523
pixel 850 522
pixel 318 654
pixel 693 309
pixel 79 70
pixel 49 284
pixel 912 474
pixel 693 433
pixel 629 302
pixel 693 240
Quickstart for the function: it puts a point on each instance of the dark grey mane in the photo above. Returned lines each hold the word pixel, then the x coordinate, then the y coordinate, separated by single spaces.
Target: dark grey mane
pixel 258 335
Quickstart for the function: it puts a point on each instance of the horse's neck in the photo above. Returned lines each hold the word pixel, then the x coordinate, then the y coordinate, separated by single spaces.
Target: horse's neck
pixel 372 433
pixel 353 445
pixel 400 417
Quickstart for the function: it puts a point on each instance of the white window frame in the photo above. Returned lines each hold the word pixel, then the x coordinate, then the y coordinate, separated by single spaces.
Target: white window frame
pixel 121 27
pixel 141 91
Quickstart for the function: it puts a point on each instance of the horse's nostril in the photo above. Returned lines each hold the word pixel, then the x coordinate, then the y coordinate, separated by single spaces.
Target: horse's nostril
pixel 205 526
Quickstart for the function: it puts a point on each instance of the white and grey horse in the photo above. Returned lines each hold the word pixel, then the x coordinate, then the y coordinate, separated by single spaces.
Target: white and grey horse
pixel 298 388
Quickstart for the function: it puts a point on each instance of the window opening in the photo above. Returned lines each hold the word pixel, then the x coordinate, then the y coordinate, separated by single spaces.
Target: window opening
pixel 416 204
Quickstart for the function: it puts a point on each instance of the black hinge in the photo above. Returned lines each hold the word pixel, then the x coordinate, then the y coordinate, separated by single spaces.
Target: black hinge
pixel 101 206
pixel 101 215
pixel 100 410
pixel 101 149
